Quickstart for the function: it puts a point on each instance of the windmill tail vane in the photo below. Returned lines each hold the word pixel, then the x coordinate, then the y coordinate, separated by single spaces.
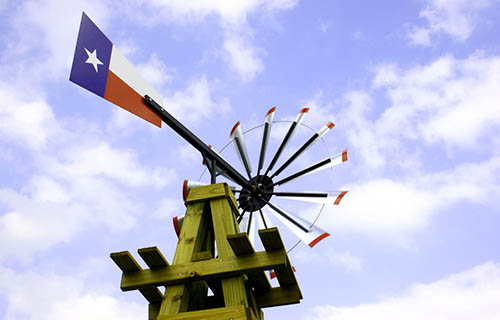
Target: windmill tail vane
pixel 248 200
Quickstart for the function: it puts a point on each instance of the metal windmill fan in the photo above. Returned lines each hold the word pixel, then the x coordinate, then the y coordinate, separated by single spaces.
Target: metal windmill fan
pixel 256 201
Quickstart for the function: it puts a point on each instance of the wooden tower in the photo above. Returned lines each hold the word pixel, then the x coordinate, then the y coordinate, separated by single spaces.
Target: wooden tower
pixel 212 253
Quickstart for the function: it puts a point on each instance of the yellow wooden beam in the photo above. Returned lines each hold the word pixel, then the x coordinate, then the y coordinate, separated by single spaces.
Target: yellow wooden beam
pixel 233 312
pixel 241 246
pixel 153 257
pixel 127 263
pixel 278 296
pixel 203 270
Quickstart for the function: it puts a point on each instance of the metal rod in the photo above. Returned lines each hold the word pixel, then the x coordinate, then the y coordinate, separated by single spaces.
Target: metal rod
pixel 263 147
pixel 262 217
pixel 196 142
pixel 282 146
pixel 284 215
pixel 299 194
pixel 303 172
pixel 241 216
pixel 243 154
pixel 249 226
pixel 296 154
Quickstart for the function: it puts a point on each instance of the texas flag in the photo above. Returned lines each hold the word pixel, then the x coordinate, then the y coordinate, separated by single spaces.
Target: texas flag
pixel 99 67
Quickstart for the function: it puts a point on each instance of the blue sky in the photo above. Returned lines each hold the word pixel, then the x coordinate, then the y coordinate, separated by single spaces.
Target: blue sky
pixel 412 88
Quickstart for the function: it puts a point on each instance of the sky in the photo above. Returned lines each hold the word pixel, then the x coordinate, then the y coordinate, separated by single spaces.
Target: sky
pixel 412 87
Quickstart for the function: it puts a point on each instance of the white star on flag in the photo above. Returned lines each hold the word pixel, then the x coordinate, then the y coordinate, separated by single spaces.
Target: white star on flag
pixel 92 59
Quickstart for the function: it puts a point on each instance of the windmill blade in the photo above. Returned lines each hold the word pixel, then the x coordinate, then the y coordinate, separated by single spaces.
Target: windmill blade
pixel 310 235
pixel 265 137
pixel 240 147
pixel 208 163
pixel 331 197
pixel 315 137
pixel 318 166
pixel 300 117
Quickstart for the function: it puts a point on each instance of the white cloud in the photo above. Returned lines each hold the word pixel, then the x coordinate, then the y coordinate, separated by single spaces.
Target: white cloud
pixel 29 123
pixel 75 188
pixel 456 18
pixel 155 71
pixel 45 42
pixel 238 47
pixel 56 297
pixel 101 160
pixel 472 294
pixel 346 260
pixel 395 209
pixel 169 207
pixel 232 12
pixel 449 102
pixel 243 56
pixel 195 103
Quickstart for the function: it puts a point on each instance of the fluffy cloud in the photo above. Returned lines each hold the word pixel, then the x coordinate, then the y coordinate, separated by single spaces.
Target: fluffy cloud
pixel 195 103
pixel 28 123
pixel 394 209
pixel 472 294
pixel 456 18
pixel 238 47
pixel 243 57
pixel 44 42
pixel 56 297
pixel 448 102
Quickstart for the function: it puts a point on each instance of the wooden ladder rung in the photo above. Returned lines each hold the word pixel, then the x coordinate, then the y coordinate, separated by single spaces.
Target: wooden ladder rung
pixel 241 245
pixel 271 239
pixel 153 257
pixel 126 262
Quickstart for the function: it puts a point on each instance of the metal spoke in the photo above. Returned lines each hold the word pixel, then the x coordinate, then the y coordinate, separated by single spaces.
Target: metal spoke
pixel 265 137
pixel 287 217
pixel 318 166
pixel 240 147
pixel 288 135
pixel 315 137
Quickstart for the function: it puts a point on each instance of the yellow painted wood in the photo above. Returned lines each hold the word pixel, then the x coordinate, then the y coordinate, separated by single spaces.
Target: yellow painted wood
pixel 204 270
pixel 204 255
pixel 241 245
pixel 206 193
pixel 125 261
pixel 153 310
pixel 127 264
pixel 224 222
pixel 176 297
pixel 271 239
pixel 279 296
pixel 153 257
pixel 234 313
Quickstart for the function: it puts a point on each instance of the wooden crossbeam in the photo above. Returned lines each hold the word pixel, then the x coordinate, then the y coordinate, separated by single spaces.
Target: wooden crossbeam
pixel 271 240
pixel 203 270
pixel 241 246
pixel 233 312
pixel 153 257
pixel 213 192
pixel 126 262
pixel 279 296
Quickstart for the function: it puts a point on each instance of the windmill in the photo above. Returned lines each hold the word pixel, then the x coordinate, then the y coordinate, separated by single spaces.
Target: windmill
pixel 211 252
